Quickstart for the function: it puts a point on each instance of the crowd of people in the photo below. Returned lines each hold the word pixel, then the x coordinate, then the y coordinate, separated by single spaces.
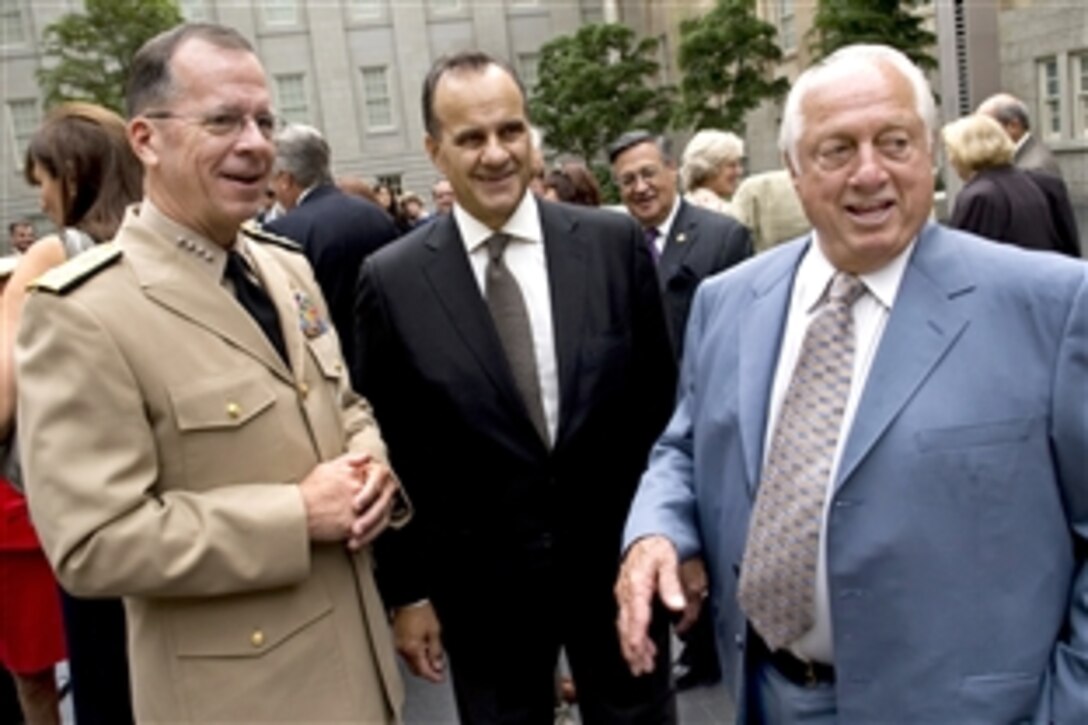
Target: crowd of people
pixel 265 428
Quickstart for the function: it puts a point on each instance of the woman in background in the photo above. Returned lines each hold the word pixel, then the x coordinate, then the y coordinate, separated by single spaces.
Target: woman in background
pixel 998 201
pixel 87 174
pixel 573 183
pixel 710 169
pixel 386 198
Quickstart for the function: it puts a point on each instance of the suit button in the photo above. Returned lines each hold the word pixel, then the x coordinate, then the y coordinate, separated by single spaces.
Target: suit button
pixel 234 410
pixel 738 639
pixel 257 638
pixel 303 390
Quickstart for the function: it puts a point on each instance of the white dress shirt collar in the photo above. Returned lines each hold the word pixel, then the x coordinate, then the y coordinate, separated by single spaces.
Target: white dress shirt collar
pixel 523 224
pixel 815 272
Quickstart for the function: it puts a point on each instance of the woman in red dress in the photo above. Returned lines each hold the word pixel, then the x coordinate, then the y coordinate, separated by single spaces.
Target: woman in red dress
pixel 31 631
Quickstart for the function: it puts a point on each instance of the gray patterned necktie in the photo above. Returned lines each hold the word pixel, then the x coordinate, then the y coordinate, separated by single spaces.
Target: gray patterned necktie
pixel 778 575
pixel 508 310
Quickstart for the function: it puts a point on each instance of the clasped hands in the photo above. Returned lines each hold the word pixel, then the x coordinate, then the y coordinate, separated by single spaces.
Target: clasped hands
pixel 651 567
pixel 349 498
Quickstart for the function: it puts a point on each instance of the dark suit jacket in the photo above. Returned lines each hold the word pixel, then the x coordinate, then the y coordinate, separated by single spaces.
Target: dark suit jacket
pixel 1061 210
pixel 700 243
pixel 491 500
pixel 1005 205
pixel 337 231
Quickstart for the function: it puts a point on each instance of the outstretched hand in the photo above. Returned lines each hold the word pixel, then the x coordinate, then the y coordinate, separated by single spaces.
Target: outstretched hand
pixel 650 567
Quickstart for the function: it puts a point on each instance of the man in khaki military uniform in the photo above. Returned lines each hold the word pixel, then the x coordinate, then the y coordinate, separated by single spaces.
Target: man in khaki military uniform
pixel 225 482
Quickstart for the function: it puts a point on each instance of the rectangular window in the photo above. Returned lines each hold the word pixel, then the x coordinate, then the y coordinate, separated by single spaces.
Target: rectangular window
pixel 444 7
pixel 379 106
pixel 366 9
pixel 1050 99
pixel 393 181
pixel 291 95
pixel 194 11
pixel 12 29
pixel 592 12
pixel 24 115
pixel 529 69
pixel 787 33
pixel 1080 94
pixel 279 12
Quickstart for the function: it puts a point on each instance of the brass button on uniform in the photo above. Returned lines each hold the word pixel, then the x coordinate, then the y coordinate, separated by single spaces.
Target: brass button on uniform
pixel 257 638
pixel 234 410
pixel 303 390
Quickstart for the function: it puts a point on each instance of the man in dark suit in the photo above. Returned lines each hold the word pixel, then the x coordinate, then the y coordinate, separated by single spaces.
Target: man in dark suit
pixel 517 355
pixel 335 230
pixel 689 243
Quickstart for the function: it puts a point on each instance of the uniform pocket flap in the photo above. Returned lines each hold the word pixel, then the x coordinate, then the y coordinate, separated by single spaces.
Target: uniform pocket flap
pixel 247 625
pixel 225 401
pixel 327 354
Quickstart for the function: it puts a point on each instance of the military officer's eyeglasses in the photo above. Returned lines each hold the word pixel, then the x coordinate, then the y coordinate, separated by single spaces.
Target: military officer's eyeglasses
pixel 224 123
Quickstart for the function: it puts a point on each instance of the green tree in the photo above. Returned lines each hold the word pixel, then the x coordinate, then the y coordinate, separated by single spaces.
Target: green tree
pixel 842 22
pixel 728 58
pixel 593 86
pixel 89 53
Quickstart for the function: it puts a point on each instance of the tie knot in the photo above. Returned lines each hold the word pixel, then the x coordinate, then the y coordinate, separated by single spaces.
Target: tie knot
pixel 651 234
pixel 496 246
pixel 845 289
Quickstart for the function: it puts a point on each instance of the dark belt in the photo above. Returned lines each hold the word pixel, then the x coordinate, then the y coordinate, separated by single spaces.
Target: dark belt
pixel 797 671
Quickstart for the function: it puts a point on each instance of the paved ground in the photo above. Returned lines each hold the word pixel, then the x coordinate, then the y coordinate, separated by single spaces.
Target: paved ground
pixel 427 704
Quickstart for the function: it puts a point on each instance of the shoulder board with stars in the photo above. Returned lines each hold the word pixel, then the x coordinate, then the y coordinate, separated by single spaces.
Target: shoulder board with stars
pixel 254 231
pixel 78 269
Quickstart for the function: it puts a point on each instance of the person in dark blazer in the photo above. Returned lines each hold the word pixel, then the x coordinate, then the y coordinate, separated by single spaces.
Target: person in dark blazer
pixel 688 243
pixel 335 230
pixel 519 423
pixel 998 200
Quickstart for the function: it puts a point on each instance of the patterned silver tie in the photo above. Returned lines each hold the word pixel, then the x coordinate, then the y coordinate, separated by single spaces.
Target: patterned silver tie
pixel 511 317
pixel 778 575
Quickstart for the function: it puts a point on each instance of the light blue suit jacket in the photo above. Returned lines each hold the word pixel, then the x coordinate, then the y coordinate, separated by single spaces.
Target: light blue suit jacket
pixel 958 530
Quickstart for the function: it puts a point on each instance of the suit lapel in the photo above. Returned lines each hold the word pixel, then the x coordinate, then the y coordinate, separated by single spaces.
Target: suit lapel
pixel 924 324
pixel 450 275
pixel 173 279
pixel 761 333
pixel 565 254
pixel 682 237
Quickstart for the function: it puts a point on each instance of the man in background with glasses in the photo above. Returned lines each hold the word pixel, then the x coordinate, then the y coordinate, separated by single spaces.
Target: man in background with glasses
pixel 687 242
pixel 190 437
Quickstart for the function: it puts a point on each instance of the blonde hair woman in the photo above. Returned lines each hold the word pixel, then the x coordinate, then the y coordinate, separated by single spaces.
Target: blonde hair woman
pixel 998 200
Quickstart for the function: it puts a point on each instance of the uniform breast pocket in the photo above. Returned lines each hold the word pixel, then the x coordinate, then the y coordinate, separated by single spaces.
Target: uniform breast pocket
pixel 218 416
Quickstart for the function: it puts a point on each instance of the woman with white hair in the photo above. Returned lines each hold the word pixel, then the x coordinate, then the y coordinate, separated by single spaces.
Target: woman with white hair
pixel 710 169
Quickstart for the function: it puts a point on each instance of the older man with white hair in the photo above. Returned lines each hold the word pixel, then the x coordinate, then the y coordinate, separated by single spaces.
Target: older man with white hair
pixel 879 445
